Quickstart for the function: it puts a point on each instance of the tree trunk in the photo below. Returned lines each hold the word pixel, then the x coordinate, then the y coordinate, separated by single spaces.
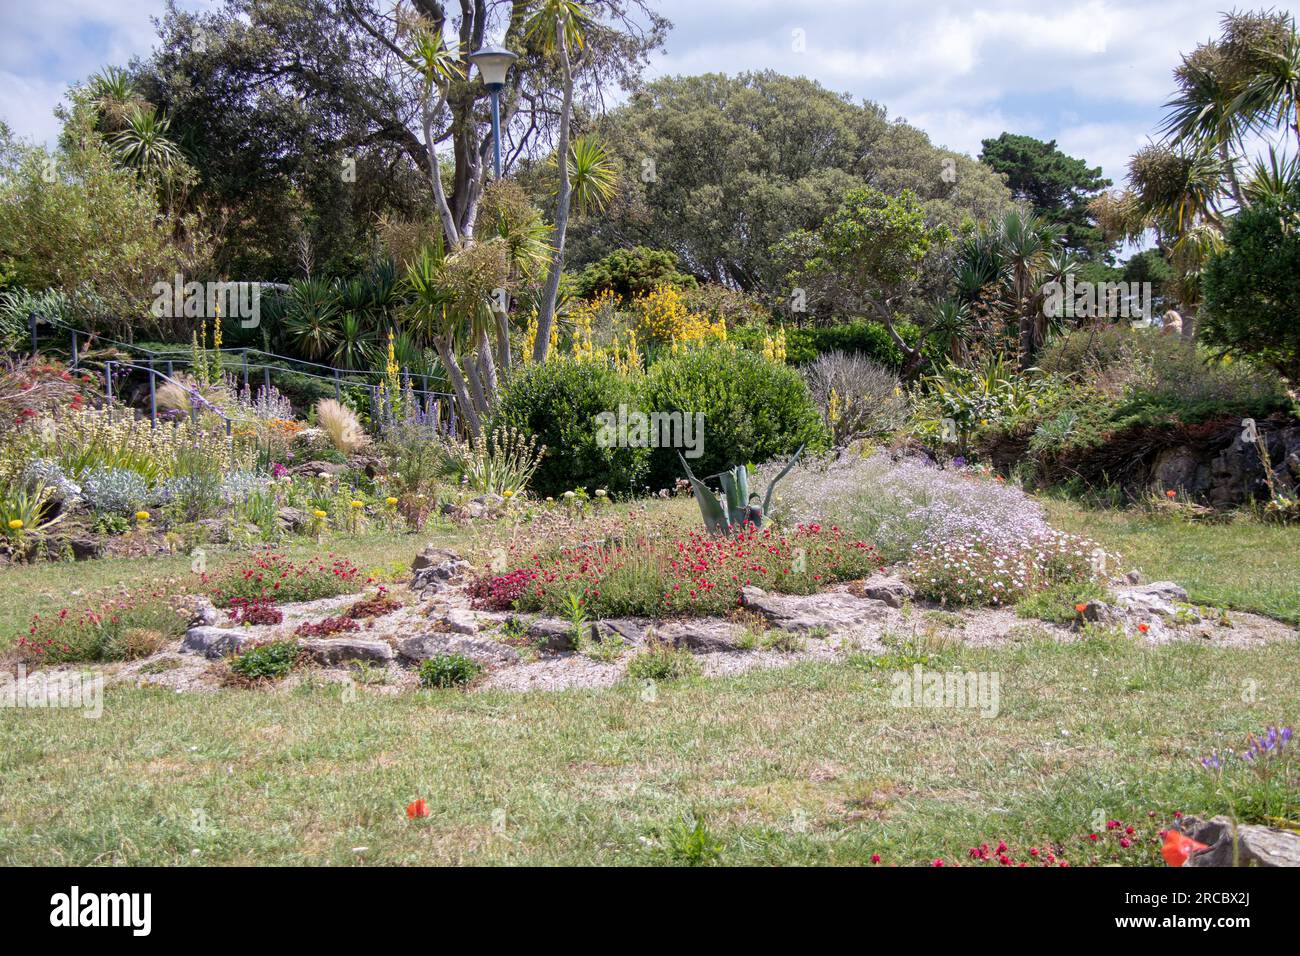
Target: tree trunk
pixel 467 409
pixel 503 342
pixel 546 313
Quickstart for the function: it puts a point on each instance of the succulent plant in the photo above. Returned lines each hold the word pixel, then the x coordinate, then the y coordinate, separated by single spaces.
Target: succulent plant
pixel 738 506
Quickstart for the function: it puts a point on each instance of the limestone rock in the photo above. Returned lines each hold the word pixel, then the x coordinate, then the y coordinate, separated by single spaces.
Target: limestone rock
pixel 204 614
pixel 292 519
pixel 889 588
pixel 1158 599
pixel 214 642
pixel 551 634
pixel 455 620
pixel 436 570
pixel 1255 845
pixel 338 650
pixel 836 611
pixel 424 646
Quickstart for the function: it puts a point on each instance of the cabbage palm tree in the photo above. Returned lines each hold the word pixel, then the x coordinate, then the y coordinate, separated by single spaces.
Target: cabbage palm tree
pixel 1026 241
pixel 557 29
pixel 143 142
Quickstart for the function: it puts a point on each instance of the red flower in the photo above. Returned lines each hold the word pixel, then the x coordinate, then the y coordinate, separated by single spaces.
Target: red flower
pixel 875 858
pixel 416 809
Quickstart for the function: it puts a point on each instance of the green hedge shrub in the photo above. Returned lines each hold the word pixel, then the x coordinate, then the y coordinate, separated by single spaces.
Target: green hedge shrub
pixel 558 402
pixel 803 345
pixel 753 410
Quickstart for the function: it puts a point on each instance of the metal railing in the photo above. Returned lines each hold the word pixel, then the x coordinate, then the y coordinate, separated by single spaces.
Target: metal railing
pixel 429 402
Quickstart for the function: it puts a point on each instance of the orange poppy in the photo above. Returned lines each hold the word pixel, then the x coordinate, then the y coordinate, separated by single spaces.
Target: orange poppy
pixel 417 808
pixel 1178 847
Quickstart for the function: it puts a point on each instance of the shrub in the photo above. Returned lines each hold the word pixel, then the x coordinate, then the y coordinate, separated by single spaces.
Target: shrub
pixel 117 491
pixel 1252 288
pixel 255 611
pixel 327 627
pixel 857 397
pixel 753 409
pixel 661 661
pixel 865 338
pixel 987 569
pixel 270 661
pixel 448 670
pixel 630 272
pixel 558 402
pixel 342 426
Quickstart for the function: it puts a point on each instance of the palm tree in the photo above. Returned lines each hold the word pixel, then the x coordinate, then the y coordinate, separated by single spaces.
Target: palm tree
pixel 1026 241
pixel 1271 96
pixel 592 174
pixel 557 27
pixel 143 143
pixel 113 93
pixel 310 317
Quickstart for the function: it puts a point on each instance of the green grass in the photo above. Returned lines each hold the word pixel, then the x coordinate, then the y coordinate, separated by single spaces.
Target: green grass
pixel 809 764
pixel 1245 565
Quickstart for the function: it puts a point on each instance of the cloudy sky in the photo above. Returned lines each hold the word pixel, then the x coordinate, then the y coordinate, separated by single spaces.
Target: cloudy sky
pixel 1091 74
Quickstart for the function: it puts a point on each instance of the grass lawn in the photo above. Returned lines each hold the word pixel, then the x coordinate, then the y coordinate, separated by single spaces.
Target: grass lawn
pixel 1246 565
pixel 809 764
pixel 806 764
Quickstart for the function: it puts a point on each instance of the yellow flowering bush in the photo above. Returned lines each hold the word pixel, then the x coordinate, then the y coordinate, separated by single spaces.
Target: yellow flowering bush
pixel 662 316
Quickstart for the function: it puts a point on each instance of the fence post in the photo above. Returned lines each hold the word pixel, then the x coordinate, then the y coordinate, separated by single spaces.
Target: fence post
pixel 338 387
pixel 171 369
pixel 153 397
pixel 245 369
pixel 266 381
pixel 108 389
pixel 374 407
pixel 31 324
pixel 74 348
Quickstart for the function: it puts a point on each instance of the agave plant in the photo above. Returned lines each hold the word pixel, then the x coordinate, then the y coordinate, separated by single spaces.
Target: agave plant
pixel 737 508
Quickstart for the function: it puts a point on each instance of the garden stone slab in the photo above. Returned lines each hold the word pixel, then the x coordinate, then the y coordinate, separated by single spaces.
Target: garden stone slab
pixel 214 642
pixel 834 610
pixel 1255 845
pixel 422 647
pixel 341 649
pixel 456 620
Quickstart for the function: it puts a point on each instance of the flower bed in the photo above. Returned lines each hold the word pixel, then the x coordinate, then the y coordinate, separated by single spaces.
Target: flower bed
pixel 274 578
pixel 125 628
pixel 693 575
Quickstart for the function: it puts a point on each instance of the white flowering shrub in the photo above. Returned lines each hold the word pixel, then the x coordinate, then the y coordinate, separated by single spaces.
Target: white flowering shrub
pixel 116 491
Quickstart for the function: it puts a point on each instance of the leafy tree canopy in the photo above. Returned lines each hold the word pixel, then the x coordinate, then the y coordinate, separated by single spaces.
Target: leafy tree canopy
pixel 721 169
pixel 1059 187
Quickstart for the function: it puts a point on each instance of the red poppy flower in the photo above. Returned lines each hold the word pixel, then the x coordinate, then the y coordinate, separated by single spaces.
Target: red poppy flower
pixel 416 809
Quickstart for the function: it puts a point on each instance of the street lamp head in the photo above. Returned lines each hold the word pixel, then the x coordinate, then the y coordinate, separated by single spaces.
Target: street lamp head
pixel 493 63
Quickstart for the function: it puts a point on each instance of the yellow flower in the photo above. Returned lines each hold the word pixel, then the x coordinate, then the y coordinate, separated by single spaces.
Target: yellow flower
pixel 16 524
pixel 319 514
pixel 358 504
pixel 390 501
pixel 507 493
pixel 142 516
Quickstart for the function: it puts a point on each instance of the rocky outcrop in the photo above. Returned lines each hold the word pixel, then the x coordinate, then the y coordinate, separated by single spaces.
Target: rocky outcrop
pixel 889 588
pixel 437 570
pixel 1229 471
pixel 1247 845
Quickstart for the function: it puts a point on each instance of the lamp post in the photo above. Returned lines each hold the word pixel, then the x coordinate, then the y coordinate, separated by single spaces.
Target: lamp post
pixel 493 63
